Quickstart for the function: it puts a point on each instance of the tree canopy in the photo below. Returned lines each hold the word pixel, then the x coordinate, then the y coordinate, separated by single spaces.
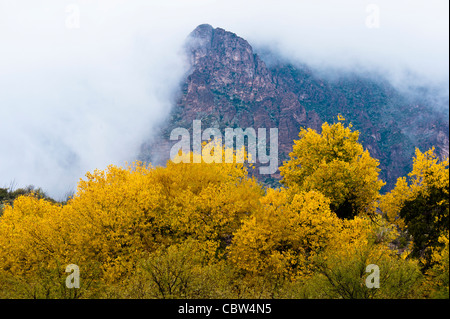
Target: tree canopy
pixel 208 230
pixel 334 163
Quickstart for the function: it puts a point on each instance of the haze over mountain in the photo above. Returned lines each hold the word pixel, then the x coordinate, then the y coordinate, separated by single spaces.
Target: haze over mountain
pixel 84 83
pixel 230 85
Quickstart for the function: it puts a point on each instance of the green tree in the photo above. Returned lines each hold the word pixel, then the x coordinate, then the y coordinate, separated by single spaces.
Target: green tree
pixel 419 204
pixel 426 212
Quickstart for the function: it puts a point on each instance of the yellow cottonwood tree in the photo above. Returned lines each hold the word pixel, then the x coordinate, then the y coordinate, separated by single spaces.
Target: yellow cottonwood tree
pixel 204 229
pixel 420 205
pixel 336 164
pixel 282 236
pixel 35 248
pixel 437 283
pixel 340 270
pixel 428 172
pixel 126 213
pixel 119 216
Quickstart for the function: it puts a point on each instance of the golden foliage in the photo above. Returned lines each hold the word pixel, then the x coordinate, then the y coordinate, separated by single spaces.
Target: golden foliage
pixel 119 215
pixel 284 233
pixel 334 163
pixel 207 230
pixel 428 172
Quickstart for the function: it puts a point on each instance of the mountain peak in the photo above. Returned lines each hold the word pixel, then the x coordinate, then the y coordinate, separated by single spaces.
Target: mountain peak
pixel 207 34
pixel 203 27
pixel 202 31
pixel 229 85
pixel 225 62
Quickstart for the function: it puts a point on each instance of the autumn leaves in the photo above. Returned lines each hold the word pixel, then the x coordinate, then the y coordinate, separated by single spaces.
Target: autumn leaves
pixel 207 230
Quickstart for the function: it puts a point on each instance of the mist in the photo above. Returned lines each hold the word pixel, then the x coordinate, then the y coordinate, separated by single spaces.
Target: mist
pixel 84 83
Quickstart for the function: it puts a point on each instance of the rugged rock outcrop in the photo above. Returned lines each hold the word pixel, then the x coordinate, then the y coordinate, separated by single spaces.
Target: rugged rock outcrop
pixel 229 85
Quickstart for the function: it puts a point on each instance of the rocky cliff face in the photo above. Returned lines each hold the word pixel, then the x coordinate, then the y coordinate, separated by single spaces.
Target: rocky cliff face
pixel 229 85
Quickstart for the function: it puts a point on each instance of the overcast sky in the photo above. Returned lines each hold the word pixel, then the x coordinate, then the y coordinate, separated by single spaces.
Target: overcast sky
pixel 83 82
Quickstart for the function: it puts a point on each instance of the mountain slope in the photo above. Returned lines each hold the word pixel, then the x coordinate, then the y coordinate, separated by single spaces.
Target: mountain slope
pixel 229 85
